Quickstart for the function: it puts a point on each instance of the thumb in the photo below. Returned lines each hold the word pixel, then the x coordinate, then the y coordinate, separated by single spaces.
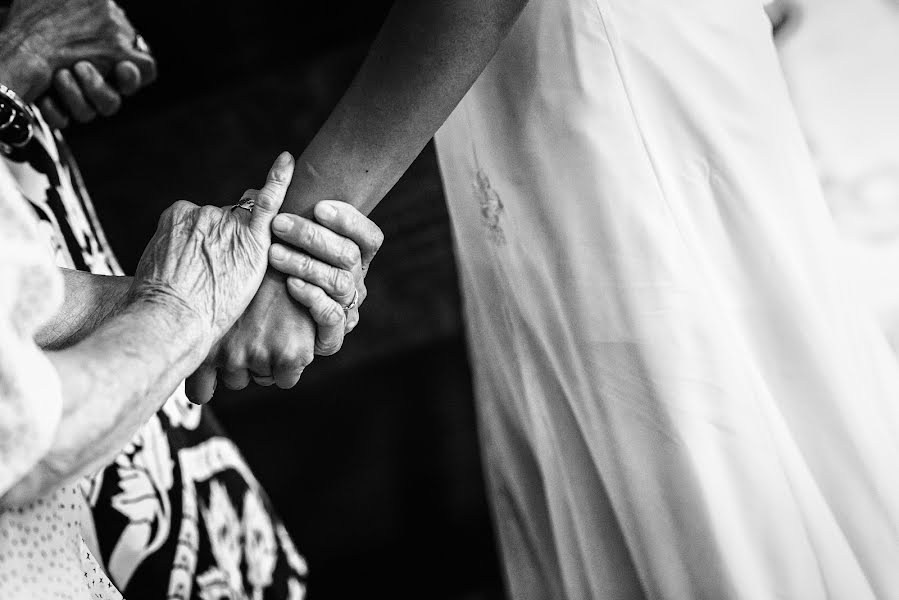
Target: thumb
pixel 271 196
pixel 201 385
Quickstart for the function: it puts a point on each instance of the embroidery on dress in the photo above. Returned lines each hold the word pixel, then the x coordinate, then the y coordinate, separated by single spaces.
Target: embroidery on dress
pixel 224 530
pixel 261 547
pixel 145 471
pixel 491 207
pixel 181 411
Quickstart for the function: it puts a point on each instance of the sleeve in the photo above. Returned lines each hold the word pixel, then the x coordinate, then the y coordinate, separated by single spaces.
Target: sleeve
pixel 31 290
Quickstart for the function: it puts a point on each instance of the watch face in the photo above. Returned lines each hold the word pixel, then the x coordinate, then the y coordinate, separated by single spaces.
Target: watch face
pixel 7 113
pixel 19 133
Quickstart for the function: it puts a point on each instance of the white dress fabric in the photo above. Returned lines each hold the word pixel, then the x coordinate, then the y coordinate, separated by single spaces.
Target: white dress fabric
pixel 840 64
pixel 43 554
pixel 679 395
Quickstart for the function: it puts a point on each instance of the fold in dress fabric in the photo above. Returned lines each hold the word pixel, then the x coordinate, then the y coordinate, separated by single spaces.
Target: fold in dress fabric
pixel 679 395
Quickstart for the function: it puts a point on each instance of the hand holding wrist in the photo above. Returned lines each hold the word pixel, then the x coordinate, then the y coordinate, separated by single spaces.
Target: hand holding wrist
pixel 171 310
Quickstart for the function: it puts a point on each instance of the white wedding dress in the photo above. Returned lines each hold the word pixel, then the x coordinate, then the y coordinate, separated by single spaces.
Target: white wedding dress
pixel 680 397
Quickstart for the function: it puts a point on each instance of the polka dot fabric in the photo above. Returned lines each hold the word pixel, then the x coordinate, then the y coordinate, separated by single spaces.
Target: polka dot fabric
pixel 43 555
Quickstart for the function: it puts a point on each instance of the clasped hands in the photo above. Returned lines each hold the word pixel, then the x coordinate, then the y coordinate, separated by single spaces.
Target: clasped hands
pixel 267 308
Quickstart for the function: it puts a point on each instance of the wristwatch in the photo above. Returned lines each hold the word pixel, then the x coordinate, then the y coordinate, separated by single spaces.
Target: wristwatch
pixel 16 121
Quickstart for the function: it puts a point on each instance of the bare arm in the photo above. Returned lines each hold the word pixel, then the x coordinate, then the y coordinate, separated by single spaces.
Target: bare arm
pixel 425 58
pixel 198 273
pixel 89 300
pixel 113 381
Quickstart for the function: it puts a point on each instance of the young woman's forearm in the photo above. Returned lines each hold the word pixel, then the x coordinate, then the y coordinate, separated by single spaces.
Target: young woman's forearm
pixel 426 57
pixel 112 382
pixel 89 300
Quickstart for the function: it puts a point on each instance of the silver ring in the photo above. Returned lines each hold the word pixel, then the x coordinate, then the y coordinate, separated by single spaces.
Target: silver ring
pixel 351 305
pixel 246 204
pixel 141 45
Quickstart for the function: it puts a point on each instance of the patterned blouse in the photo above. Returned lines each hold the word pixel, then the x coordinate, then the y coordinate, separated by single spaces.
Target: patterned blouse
pixel 178 514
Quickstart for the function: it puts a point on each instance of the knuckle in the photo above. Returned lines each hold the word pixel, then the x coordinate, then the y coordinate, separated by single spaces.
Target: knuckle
pixel 295 356
pixel 342 282
pixel 304 357
pixel 234 361
pixel 352 325
pixel 377 238
pixel 331 313
pixel 350 256
pixel 175 211
pixel 302 263
pixel 258 359
pixel 307 236
pixel 330 348
pixel 265 199
pixel 279 177
pixel 208 214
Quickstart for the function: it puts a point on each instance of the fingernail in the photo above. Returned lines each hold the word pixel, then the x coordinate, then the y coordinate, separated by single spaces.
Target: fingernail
pixel 297 283
pixel 283 159
pixel 325 210
pixel 278 253
pixel 282 224
pixel 281 168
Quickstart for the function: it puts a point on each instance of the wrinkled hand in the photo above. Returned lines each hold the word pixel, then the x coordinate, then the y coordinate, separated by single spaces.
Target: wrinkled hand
pixel 39 37
pixel 329 271
pixel 324 263
pixel 210 261
pixel 82 93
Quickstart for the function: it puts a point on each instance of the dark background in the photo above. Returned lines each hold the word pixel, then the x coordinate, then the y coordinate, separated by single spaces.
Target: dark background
pixel 372 459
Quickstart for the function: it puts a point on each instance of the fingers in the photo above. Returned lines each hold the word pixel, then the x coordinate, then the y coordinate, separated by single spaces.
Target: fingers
pixel 264 381
pixel 139 55
pixel 290 364
pixel 69 93
pixel 271 196
pixel 318 241
pixel 344 219
pixel 326 312
pixel 98 93
pixel 146 66
pixel 337 283
pixel 201 385
pixel 287 375
pixel 128 77
pixel 352 319
pixel 236 379
pixel 53 115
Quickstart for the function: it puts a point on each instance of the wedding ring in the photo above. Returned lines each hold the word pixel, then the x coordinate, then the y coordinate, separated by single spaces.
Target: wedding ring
pixel 141 45
pixel 246 204
pixel 351 305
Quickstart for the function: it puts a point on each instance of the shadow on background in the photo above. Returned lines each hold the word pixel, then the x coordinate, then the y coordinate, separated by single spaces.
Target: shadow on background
pixel 372 460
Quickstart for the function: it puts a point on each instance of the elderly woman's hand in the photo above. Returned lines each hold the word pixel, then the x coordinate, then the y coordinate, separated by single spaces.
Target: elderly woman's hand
pixel 40 37
pixel 325 262
pixel 209 261
pixel 81 93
